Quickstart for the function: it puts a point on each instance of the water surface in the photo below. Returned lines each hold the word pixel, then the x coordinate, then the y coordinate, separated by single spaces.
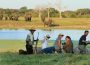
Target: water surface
pixel 21 34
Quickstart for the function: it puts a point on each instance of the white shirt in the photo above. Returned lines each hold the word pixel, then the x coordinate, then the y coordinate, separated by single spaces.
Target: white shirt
pixel 30 37
pixel 44 43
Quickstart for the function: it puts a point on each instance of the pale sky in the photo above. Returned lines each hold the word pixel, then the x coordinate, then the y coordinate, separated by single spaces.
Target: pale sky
pixel 65 4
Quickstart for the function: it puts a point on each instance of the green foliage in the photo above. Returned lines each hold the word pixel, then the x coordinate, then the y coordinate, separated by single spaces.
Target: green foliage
pixel 82 13
pixel 54 12
pixel 23 10
pixel 68 14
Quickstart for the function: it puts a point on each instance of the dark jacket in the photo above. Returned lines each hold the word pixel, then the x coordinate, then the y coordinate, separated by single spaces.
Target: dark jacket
pixel 83 38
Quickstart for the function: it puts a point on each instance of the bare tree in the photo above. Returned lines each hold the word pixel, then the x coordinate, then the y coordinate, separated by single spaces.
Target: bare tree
pixel 39 9
pixel 48 13
pixel 58 6
pixel 48 7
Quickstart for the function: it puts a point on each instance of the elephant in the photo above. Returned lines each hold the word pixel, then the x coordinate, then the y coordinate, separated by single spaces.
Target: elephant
pixel 14 17
pixel 48 23
pixel 6 17
pixel 11 17
pixel 28 17
pixel 1 17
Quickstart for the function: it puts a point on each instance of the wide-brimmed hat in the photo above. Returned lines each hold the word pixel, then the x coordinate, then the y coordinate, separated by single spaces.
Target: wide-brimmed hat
pixel 32 30
pixel 48 36
pixel 61 34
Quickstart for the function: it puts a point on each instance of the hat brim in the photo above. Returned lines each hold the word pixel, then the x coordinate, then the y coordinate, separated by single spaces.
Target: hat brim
pixel 32 30
pixel 62 35
pixel 48 37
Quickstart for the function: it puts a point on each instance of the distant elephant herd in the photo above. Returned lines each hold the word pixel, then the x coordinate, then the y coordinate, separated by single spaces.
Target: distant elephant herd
pixel 15 17
pixel 27 18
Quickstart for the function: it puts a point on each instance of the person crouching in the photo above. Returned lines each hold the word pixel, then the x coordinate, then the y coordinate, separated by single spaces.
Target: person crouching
pixel 68 45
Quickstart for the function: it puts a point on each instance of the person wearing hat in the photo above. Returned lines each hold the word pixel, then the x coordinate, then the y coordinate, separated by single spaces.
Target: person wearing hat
pixel 58 43
pixel 46 49
pixel 56 47
pixel 45 41
pixel 30 41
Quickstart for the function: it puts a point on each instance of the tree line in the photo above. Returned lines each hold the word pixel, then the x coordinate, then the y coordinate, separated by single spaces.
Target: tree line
pixel 14 14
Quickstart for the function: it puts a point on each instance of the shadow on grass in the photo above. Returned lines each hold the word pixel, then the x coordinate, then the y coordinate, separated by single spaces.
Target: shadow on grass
pixel 54 25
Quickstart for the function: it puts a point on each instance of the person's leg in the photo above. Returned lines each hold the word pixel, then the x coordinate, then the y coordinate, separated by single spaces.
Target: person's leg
pixel 58 50
pixel 51 49
pixel 22 52
pixel 27 42
pixel 48 50
pixel 71 50
pixel 82 49
pixel 29 49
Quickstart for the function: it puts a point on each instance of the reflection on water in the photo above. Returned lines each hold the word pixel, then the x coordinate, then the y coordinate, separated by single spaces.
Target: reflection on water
pixel 22 33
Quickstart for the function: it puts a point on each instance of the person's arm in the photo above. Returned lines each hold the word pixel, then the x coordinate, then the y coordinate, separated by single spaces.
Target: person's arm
pixel 58 43
pixel 87 42
pixel 64 46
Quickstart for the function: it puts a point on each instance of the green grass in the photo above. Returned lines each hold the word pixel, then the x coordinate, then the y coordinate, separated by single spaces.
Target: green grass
pixel 11 45
pixel 15 45
pixel 43 59
pixel 9 55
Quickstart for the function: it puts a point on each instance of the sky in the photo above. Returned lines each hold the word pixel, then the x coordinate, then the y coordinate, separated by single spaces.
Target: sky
pixel 65 4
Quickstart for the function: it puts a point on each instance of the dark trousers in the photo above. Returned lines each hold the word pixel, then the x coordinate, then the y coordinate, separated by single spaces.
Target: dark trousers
pixel 48 50
pixel 29 48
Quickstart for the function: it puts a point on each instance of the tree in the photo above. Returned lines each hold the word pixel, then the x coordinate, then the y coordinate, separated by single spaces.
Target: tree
pixel 69 14
pixel 8 12
pixel 54 12
pixel 58 5
pixel 23 10
pixel 80 12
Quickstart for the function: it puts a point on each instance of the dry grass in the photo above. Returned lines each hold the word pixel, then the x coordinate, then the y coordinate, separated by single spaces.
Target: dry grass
pixel 64 23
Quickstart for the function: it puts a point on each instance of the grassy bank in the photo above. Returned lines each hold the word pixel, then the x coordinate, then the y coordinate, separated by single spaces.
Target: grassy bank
pixel 9 55
pixel 49 59
pixel 15 45
pixel 64 23
pixel 11 45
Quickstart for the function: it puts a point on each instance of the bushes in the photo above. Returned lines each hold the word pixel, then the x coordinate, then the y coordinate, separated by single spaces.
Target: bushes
pixel 82 13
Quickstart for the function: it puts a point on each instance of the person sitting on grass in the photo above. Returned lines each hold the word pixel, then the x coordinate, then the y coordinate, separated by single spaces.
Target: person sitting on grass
pixel 56 47
pixel 68 45
pixel 29 43
pixel 45 41
pixel 46 49
pixel 58 44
